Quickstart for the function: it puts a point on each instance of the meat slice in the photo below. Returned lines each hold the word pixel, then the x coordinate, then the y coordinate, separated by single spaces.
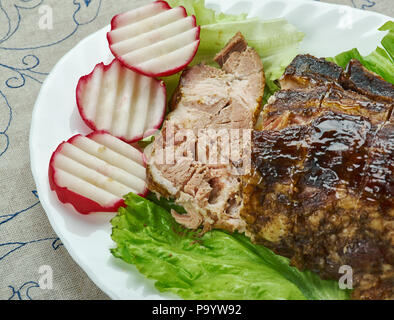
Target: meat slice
pixel 210 105
pixel 300 106
pixel 276 155
pixel 308 71
pixel 374 249
pixel 304 199
pixel 236 44
pixel 350 102
pixel 292 107
pixel 322 184
pixel 359 79
pixel 313 165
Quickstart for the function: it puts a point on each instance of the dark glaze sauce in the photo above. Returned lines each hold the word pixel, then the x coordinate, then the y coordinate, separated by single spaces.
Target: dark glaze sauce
pixel 379 177
pixel 336 151
pixel 329 151
pixel 321 190
pixel 275 154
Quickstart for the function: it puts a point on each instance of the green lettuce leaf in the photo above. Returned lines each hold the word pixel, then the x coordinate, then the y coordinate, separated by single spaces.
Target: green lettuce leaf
pixel 380 61
pixel 216 265
pixel 165 203
pixel 276 41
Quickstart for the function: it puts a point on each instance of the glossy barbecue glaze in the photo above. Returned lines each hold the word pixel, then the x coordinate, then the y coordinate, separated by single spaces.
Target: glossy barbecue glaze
pixel 322 186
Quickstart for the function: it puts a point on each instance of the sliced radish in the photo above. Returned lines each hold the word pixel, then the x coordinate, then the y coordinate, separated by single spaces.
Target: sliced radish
pixel 155 40
pixel 121 102
pixel 95 172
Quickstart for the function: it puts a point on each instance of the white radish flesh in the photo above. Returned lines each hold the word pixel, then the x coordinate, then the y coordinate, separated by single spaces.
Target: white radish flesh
pixel 161 48
pixel 112 157
pixel 118 146
pixel 107 96
pixel 141 13
pixel 127 43
pixel 171 59
pixel 136 29
pixel 131 179
pixel 101 172
pixel 157 42
pixel 121 102
pixel 90 176
pixel 84 188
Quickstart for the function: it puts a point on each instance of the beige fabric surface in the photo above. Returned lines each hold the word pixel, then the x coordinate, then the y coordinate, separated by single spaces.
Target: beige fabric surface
pixel 27 55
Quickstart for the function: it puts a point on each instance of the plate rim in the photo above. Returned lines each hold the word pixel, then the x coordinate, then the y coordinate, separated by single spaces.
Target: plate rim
pixel 111 293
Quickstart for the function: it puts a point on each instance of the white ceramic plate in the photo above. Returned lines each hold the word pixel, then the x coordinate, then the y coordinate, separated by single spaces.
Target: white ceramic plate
pixel 329 29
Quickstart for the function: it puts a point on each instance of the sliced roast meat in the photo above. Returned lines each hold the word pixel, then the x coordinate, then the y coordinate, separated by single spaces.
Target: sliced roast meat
pixel 291 107
pixel 300 106
pixel 350 102
pixel 210 105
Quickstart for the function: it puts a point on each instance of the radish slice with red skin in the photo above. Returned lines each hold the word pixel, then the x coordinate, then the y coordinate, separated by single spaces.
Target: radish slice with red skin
pixel 95 172
pixel 155 40
pixel 121 102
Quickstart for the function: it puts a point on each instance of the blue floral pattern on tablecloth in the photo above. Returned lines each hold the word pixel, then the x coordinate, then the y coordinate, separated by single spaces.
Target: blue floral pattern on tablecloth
pixel 13 78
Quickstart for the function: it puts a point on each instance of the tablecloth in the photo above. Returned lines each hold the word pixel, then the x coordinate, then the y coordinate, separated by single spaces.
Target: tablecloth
pixel 29 48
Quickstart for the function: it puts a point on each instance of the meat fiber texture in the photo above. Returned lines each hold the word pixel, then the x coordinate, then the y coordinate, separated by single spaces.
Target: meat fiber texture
pixel 209 106
pixel 322 184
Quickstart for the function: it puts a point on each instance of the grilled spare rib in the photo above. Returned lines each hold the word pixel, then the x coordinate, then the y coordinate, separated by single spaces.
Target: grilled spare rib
pixel 208 98
pixel 321 190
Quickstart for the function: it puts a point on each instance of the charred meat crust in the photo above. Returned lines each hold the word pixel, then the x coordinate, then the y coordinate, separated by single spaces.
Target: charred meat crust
pixel 357 78
pixel 289 107
pixel 300 106
pixel 306 70
pixel 322 187
pixel 351 102
pixel 312 198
